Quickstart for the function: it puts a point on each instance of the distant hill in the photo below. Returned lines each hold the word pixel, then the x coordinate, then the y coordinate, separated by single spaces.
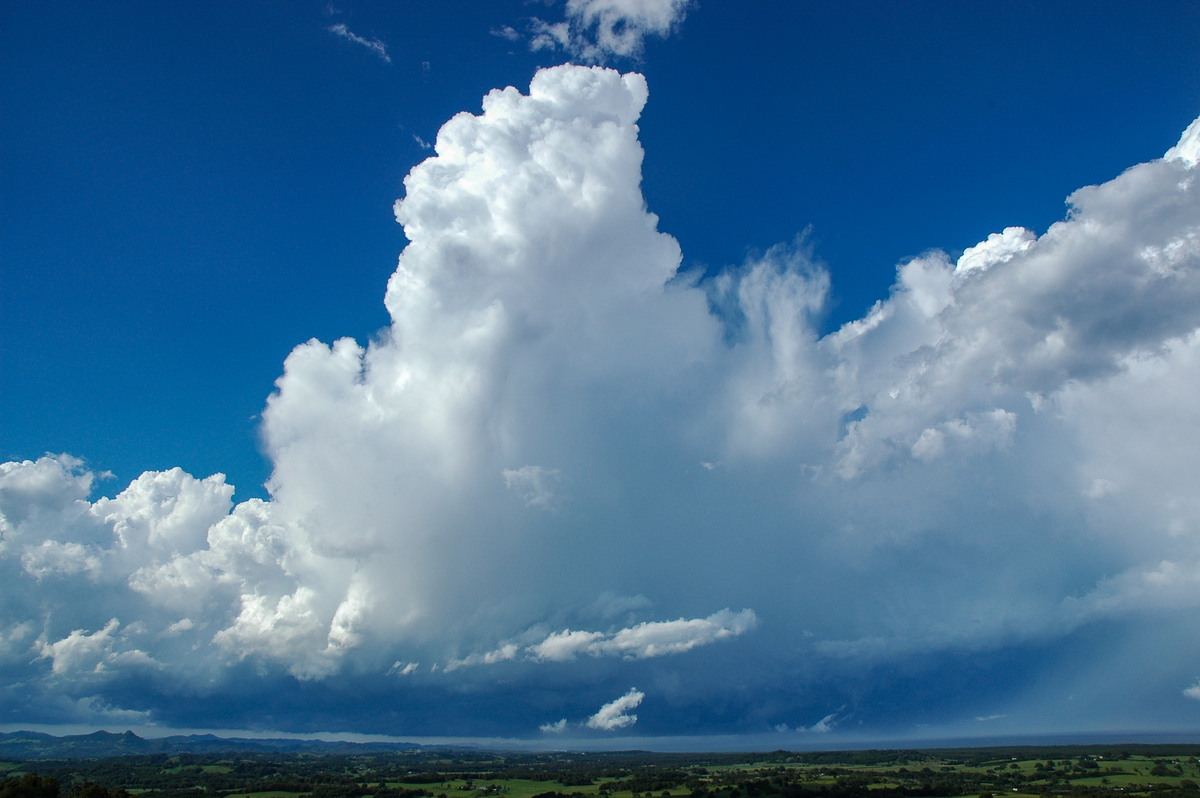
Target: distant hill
pixel 101 744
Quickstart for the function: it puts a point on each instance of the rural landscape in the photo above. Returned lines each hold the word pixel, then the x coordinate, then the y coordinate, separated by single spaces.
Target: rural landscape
pixel 351 770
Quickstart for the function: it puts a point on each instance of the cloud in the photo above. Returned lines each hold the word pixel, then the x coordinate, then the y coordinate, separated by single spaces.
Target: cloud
pixel 374 45
pixel 43 499
pixel 532 484
pixel 1168 584
pixel 645 640
pixel 656 639
pixel 79 653
pixel 52 557
pixel 596 30
pixel 822 726
pixel 566 645
pixel 825 724
pixel 549 36
pixel 997 457
pixel 615 714
pixel 1187 150
pixel 505 653
pixel 997 248
pixel 558 727
pixel 506 32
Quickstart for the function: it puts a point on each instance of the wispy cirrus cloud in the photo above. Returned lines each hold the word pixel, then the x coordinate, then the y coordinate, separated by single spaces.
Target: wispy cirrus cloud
pixel 373 45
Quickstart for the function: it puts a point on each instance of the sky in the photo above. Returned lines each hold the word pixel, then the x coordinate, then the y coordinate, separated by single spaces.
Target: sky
pixel 601 372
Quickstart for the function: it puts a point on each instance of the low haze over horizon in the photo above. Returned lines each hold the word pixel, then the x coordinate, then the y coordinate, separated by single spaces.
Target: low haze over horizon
pixel 788 375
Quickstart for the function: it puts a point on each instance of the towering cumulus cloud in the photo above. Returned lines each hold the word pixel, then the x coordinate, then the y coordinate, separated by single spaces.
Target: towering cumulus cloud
pixel 565 468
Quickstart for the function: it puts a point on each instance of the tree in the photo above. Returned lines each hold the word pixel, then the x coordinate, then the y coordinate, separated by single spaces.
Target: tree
pixel 31 785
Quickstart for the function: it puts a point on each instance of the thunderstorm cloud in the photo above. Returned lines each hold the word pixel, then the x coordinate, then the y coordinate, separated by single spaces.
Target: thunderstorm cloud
pixel 507 504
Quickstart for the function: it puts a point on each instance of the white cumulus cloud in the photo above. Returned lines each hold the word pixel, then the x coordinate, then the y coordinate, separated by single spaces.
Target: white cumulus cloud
pixel 647 639
pixel 615 714
pixel 644 640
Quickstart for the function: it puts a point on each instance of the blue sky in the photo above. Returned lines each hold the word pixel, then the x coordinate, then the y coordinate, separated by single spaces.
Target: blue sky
pixel 682 415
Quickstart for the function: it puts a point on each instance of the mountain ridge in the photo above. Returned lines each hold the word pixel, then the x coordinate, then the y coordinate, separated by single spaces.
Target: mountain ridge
pixel 32 745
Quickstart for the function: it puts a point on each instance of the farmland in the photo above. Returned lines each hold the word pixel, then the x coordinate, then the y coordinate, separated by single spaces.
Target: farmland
pixel 1137 771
